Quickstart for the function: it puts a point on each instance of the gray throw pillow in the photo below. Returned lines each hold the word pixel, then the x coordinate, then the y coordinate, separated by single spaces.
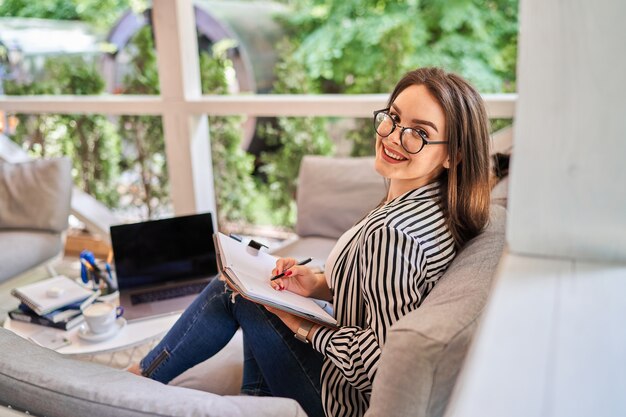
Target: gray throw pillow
pixel 36 194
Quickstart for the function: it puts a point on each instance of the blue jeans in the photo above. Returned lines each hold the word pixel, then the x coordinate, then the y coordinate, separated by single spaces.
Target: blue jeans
pixel 275 362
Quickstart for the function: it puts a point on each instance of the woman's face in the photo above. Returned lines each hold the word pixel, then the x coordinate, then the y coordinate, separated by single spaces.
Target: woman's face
pixel 416 108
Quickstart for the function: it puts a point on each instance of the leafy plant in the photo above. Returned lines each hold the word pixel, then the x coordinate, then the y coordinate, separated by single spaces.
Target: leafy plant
pixel 90 140
pixel 290 140
pixel 235 188
pixel 101 13
pixel 143 135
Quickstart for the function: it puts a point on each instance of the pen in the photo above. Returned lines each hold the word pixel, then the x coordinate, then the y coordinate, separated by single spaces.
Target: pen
pixel 304 262
pixel 90 273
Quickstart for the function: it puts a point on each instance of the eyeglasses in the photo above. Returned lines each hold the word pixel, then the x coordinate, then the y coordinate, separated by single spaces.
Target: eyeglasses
pixel 412 140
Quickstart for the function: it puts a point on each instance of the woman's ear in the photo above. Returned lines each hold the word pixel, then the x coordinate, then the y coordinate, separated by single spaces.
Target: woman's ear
pixel 446 163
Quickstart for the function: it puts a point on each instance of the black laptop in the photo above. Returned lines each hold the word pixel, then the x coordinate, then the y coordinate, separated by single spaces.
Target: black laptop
pixel 161 265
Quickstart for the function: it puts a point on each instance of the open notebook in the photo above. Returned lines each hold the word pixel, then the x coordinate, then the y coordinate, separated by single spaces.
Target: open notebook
pixel 249 270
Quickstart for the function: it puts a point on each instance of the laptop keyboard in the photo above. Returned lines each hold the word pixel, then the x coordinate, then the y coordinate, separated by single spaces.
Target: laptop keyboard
pixel 167 293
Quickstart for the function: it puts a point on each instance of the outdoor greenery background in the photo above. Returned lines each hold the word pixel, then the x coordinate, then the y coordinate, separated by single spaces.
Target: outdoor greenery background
pixel 330 46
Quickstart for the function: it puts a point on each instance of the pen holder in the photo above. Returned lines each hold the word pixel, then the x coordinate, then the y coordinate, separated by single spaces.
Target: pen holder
pixel 97 272
pixel 111 298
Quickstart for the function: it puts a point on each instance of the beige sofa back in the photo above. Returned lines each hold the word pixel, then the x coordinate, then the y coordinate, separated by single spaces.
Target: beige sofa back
pixel 334 193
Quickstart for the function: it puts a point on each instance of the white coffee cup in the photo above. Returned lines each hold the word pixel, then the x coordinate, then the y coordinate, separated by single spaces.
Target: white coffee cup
pixel 101 317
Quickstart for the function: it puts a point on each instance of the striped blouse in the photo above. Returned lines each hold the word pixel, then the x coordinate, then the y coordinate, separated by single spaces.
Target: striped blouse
pixel 379 271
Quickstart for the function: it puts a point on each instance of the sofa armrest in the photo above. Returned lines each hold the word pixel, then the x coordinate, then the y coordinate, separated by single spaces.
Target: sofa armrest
pixel 424 350
pixel 44 382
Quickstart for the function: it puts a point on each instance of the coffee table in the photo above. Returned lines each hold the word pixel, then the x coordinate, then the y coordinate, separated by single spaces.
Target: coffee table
pixel 129 345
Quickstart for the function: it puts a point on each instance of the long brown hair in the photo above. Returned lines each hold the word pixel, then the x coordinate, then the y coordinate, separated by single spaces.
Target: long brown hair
pixel 465 185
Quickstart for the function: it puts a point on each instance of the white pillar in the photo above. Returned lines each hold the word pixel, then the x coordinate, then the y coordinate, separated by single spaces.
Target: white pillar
pixel 187 142
pixel 552 340
pixel 568 192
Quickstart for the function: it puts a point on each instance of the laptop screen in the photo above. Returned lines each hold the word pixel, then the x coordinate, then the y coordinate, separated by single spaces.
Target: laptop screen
pixel 162 251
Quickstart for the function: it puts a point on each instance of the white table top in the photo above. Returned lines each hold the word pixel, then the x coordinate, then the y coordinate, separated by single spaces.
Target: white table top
pixel 132 334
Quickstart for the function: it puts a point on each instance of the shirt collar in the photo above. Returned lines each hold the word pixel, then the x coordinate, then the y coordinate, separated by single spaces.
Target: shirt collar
pixel 426 192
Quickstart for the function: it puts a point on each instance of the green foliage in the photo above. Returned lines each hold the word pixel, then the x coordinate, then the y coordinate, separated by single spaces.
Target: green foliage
pixel 44 9
pixel 296 137
pixel 235 187
pixel 364 46
pixel 143 135
pixel 101 13
pixel 90 140
pixel 290 140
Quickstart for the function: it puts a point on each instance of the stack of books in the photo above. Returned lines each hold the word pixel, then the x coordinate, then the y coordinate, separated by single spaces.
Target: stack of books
pixel 54 302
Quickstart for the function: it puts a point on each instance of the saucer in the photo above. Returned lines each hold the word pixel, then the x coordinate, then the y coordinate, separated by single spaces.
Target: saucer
pixel 86 334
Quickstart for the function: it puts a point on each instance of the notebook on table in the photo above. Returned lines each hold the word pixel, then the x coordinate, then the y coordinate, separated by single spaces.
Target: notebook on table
pixel 162 265
pixel 51 294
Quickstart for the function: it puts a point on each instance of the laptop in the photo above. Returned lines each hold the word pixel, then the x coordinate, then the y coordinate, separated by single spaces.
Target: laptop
pixel 162 265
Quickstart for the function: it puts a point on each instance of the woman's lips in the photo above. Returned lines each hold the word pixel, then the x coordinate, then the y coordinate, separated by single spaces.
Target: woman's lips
pixel 391 156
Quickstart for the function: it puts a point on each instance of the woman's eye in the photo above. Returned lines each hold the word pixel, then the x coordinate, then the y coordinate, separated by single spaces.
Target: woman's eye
pixel 422 133
pixel 395 118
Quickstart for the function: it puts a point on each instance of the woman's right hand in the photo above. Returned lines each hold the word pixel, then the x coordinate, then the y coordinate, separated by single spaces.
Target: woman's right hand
pixel 298 279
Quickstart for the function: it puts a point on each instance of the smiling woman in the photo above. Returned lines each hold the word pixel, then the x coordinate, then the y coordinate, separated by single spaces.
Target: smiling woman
pixel 432 107
pixel 400 154
pixel 379 271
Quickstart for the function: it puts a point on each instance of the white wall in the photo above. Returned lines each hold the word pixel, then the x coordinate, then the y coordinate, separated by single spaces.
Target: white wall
pixel 551 342
pixel 568 181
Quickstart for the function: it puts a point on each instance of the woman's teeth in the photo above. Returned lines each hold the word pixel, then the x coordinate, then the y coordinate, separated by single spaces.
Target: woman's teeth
pixel 393 155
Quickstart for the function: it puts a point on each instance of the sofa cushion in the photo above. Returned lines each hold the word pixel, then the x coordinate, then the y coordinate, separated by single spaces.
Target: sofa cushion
pixel 35 194
pixel 220 374
pixel 44 382
pixel 25 249
pixel 500 192
pixel 424 350
pixel 314 247
pixel 334 193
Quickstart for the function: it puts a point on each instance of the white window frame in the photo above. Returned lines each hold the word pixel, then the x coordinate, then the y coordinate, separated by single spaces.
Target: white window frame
pixel 184 109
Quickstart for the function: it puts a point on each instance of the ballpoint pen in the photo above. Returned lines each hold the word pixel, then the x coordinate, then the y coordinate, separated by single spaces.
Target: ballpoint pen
pixel 304 262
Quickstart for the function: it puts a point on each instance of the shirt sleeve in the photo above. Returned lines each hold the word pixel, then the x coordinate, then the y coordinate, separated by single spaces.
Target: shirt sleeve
pixel 392 274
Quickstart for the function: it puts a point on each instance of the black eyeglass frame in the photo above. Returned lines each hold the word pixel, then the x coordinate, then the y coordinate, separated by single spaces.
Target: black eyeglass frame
pixel 420 133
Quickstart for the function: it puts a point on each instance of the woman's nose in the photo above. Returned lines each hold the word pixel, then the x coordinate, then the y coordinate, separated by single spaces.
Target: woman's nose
pixel 394 137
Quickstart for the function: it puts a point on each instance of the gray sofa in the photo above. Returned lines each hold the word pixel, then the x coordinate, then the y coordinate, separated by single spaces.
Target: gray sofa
pixel 34 208
pixel 420 361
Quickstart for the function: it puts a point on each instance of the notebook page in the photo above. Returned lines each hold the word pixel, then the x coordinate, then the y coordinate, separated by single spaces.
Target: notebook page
pixel 261 289
pixel 245 259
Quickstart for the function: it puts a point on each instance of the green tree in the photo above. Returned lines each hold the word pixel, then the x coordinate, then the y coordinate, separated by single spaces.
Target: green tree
pixel 144 153
pixel 101 13
pixel 365 46
pixel 290 140
pixel 235 188
pixel 90 140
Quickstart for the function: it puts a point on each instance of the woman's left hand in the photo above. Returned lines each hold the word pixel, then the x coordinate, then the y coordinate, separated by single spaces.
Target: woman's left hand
pixel 290 320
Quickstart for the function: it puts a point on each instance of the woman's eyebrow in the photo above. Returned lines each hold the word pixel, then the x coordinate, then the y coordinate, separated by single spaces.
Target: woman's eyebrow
pixel 416 121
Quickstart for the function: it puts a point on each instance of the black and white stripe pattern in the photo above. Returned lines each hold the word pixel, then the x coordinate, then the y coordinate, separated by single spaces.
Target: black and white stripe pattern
pixel 383 272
